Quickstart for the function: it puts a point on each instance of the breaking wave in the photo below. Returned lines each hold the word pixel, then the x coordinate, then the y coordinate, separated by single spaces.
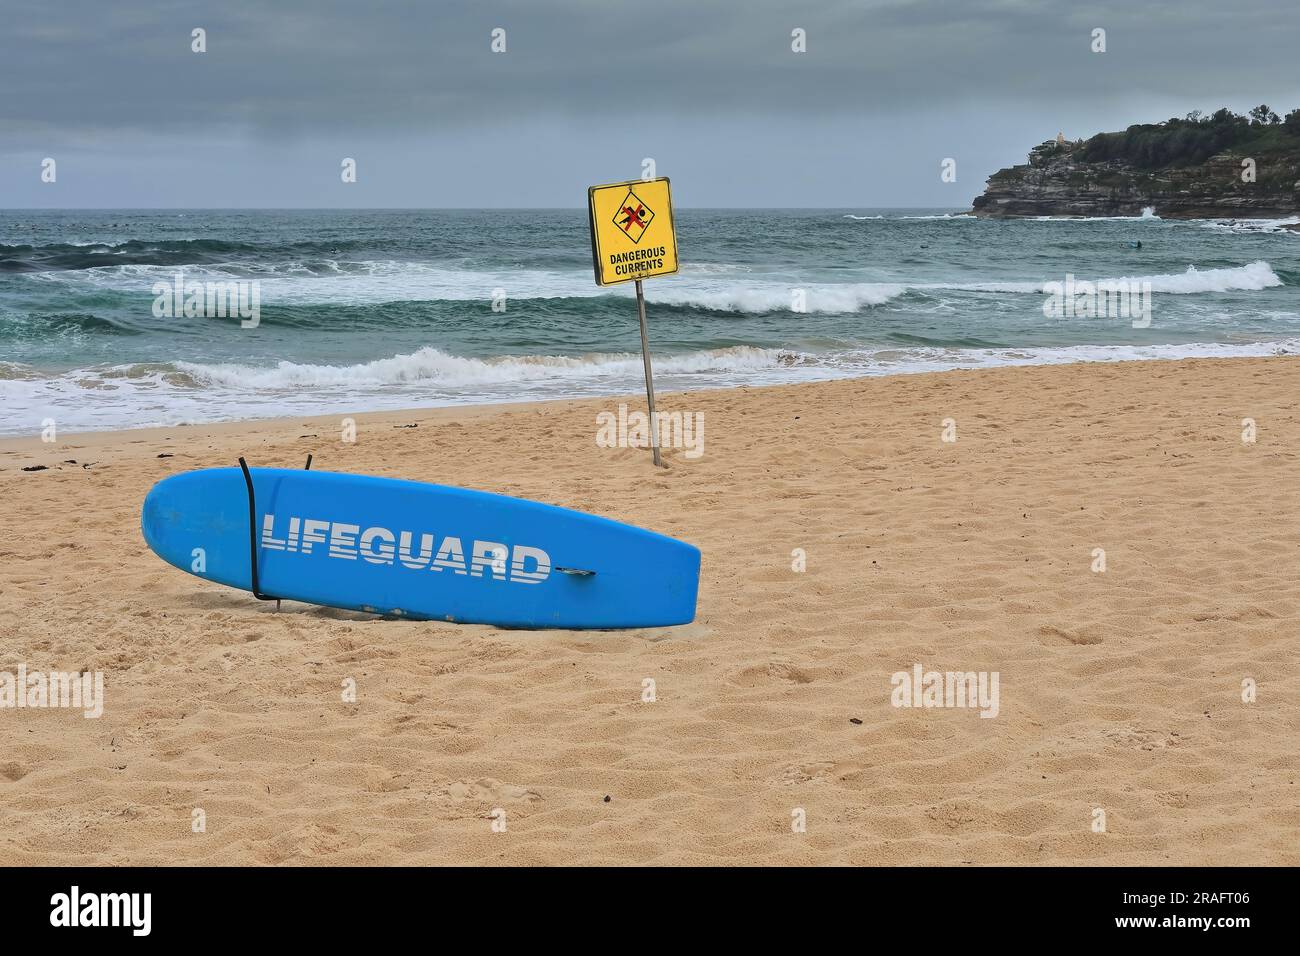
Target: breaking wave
pixel 358 283
pixel 850 297
pixel 431 365
pixel 149 394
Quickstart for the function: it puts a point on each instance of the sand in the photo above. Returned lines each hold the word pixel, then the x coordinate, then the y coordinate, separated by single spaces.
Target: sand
pixel 1119 691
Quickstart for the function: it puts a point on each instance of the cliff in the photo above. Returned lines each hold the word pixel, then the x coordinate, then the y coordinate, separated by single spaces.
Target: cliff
pixel 1184 169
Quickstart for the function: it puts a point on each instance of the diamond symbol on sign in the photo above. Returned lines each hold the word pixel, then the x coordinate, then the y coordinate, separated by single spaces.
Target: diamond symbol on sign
pixel 633 216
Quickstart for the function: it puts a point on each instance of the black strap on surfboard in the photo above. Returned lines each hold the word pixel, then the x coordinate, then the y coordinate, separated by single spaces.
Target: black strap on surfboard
pixel 252 532
pixel 252 537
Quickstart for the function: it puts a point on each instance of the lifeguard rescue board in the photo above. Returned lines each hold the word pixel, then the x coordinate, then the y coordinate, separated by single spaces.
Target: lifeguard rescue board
pixel 419 550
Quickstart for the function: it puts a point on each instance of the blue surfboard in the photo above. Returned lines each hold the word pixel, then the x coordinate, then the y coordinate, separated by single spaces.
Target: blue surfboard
pixel 419 550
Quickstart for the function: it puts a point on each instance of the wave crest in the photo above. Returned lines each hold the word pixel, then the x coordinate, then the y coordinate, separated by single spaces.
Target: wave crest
pixel 432 366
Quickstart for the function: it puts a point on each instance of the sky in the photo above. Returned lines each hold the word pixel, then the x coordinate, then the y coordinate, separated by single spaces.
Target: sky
pixel 586 91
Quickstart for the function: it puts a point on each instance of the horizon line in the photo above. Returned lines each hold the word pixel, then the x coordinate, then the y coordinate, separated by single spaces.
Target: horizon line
pixel 418 208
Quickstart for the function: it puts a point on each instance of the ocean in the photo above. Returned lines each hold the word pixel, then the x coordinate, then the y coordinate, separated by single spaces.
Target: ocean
pixel 381 309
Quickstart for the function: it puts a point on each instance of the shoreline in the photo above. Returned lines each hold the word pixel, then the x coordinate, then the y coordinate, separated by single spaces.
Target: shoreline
pixel 24 445
pixel 1120 689
pixel 100 438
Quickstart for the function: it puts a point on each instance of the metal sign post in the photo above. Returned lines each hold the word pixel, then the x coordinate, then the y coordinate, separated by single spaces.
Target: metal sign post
pixel 649 376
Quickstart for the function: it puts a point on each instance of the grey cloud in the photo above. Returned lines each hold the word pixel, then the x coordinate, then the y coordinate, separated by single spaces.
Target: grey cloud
pixel 118 79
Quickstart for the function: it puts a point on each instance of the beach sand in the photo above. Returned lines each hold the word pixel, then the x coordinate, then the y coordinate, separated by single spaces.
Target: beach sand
pixel 1119 691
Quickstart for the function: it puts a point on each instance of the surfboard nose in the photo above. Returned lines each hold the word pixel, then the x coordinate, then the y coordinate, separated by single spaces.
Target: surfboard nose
pixel 151 516
pixel 161 516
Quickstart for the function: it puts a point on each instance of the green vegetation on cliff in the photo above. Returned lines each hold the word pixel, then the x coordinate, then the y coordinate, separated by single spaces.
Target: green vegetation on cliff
pixel 1195 138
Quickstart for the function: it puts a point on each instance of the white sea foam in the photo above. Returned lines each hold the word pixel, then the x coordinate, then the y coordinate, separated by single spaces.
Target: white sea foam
pixel 942 215
pixel 712 286
pixel 140 396
pixel 1249 226
pixel 850 297
pixel 430 365
pixel 1148 214
pixel 945 215
pixel 1252 277
pixel 773 297
pixel 332 281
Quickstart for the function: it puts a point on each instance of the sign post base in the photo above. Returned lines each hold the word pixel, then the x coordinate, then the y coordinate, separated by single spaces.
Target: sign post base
pixel 649 377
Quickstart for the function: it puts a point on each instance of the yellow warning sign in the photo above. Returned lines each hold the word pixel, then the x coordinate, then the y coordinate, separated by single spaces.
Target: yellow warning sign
pixel 632 234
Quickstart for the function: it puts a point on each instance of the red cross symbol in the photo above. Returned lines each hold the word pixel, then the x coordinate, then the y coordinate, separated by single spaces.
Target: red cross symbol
pixel 633 217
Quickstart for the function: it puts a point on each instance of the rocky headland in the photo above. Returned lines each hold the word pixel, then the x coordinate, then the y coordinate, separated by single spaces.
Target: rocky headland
pixel 1199 167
